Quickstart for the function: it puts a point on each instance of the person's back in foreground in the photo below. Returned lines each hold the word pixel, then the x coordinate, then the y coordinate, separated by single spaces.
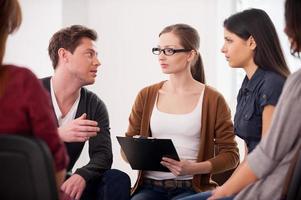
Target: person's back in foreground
pixel 24 105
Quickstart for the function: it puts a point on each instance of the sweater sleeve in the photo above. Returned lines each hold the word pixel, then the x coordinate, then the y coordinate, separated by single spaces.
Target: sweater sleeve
pixel 100 147
pixel 226 151
pixel 135 119
pixel 42 120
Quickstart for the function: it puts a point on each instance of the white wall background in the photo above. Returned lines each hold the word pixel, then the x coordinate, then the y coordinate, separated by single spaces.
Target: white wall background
pixel 128 29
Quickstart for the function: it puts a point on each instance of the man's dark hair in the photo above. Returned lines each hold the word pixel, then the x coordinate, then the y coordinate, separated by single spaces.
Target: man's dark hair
pixel 68 38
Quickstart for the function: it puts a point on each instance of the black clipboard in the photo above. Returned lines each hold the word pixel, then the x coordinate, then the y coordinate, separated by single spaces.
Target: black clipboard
pixel 147 153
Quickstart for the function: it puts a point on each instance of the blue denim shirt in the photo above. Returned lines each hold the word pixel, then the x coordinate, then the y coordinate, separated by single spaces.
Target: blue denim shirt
pixel 263 89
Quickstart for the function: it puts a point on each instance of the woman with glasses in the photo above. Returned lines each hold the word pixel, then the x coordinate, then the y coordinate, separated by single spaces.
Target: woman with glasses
pixel 192 114
pixel 266 172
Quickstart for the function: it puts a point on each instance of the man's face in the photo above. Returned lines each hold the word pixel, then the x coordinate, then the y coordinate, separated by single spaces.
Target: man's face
pixel 83 63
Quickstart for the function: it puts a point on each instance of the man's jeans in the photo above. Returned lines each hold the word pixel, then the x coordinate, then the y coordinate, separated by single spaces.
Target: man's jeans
pixel 114 185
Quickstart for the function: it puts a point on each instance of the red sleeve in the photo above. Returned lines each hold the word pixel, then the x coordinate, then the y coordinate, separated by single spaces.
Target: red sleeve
pixel 42 120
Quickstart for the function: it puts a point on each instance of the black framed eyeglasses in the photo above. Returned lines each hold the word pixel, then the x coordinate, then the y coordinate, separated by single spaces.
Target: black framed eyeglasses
pixel 168 51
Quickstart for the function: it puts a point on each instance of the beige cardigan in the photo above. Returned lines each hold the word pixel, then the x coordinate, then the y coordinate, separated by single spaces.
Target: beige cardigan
pixel 216 134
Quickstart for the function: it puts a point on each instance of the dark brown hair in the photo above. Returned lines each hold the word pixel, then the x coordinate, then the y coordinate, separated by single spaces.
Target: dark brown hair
pixel 68 38
pixel 10 20
pixel 293 28
pixel 256 23
pixel 189 39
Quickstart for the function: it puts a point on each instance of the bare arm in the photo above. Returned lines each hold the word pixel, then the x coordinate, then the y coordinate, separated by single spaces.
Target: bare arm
pixel 267 115
pixel 243 177
pixel 282 137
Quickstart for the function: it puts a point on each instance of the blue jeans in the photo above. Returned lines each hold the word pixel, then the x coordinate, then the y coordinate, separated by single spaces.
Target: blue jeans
pixel 151 192
pixel 114 185
pixel 204 196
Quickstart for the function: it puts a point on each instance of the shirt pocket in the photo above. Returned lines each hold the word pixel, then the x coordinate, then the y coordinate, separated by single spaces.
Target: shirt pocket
pixel 248 111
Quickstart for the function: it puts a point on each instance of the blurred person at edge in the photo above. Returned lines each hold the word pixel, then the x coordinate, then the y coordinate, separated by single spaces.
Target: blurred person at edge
pixel 24 105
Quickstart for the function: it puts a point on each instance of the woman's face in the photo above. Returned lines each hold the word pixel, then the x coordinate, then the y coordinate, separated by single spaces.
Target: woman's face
pixel 173 63
pixel 238 52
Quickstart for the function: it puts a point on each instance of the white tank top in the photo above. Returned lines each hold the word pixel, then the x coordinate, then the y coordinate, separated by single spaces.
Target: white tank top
pixel 183 130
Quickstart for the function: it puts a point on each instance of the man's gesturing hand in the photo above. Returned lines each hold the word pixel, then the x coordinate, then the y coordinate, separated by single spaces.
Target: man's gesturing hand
pixel 78 130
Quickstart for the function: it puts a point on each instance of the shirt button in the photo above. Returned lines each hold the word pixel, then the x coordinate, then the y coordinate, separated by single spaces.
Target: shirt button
pixel 264 96
pixel 246 115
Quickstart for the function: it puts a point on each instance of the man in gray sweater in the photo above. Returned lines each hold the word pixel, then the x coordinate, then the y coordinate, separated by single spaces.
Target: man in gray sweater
pixel 82 117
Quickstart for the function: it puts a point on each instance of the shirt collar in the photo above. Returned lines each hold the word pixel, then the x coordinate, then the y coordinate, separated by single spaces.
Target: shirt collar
pixel 70 115
pixel 250 85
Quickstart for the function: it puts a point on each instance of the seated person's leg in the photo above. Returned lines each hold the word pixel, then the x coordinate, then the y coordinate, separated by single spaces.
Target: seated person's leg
pixel 114 185
pixel 204 196
pixel 90 192
pixel 199 196
pixel 149 193
pixel 182 193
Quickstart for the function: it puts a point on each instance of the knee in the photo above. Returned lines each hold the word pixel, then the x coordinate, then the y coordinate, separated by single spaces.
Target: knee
pixel 137 197
pixel 117 176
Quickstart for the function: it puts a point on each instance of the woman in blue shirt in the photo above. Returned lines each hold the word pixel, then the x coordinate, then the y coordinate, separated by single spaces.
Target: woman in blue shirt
pixel 251 43
pixel 263 174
